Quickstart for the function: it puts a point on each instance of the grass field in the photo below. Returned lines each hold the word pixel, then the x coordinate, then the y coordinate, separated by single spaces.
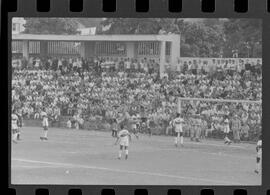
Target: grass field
pixel 90 157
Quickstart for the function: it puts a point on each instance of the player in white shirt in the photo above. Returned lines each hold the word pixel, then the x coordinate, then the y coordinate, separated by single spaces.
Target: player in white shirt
pixel 19 124
pixel 259 156
pixel 227 131
pixel 14 126
pixel 123 138
pixel 45 124
pixel 178 129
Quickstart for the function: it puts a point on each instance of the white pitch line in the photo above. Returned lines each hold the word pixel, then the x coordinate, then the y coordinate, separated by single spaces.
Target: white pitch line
pixel 132 172
pixel 34 167
pixel 171 149
pixel 195 151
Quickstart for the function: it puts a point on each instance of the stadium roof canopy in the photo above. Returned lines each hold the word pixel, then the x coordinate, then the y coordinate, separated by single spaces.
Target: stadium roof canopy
pixel 132 37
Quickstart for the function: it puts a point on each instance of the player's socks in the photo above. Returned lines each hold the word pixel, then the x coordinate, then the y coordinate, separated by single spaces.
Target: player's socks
pixel 18 136
pixel 45 134
pixel 257 167
pixel 226 140
pixel 119 154
pixel 14 136
pixel 126 152
pixel 175 142
pixel 181 140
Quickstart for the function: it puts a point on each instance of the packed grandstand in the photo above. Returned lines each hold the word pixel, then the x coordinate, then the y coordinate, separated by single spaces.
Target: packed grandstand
pixel 97 90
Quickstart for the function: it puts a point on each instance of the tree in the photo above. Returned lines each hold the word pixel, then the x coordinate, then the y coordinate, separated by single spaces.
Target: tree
pixel 199 37
pixel 200 40
pixel 51 26
pixel 130 26
pixel 244 35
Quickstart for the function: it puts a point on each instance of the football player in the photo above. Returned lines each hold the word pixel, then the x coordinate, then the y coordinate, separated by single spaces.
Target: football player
pixel 227 131
pixel 259 155
pixel 45 124
pixel 178 129
pixel 123 139
pixel 20 123
pixel 14 126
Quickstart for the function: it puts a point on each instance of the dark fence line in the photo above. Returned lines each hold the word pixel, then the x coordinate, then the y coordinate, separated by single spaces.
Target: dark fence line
pixel 157 129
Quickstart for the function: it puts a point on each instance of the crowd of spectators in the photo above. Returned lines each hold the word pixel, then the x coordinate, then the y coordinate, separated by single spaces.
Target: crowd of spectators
pixel 103 88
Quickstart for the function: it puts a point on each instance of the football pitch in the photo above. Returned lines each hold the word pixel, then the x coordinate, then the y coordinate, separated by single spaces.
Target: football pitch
pixel 90 157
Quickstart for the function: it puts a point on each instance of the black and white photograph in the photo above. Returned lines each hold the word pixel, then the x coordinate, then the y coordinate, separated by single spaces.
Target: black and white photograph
pixel 136 101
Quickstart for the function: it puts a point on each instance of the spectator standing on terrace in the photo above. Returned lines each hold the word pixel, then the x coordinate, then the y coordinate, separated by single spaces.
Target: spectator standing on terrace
pixel 236 127
pixel 245 132
pixel 192 128
pixel 212 67
pixel 227 130
pixel 69 124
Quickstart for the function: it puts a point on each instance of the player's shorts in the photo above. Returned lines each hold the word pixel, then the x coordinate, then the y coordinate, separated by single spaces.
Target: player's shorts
pixel 121 147
pixel 227 129
pixel 14 126
pixel 45 128
pixel 14 130
pixel 124 141
pixel 45 123
pixel 181 133
pixel 178 129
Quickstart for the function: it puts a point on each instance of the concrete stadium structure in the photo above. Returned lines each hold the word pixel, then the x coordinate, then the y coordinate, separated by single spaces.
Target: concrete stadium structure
pixel 163 48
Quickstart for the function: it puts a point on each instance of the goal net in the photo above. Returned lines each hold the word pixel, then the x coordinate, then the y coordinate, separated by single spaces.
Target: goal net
pixel 244 117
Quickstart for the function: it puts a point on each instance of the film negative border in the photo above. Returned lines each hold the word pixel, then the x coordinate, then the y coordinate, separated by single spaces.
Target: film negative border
pixel 156 8
pixel 168 7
